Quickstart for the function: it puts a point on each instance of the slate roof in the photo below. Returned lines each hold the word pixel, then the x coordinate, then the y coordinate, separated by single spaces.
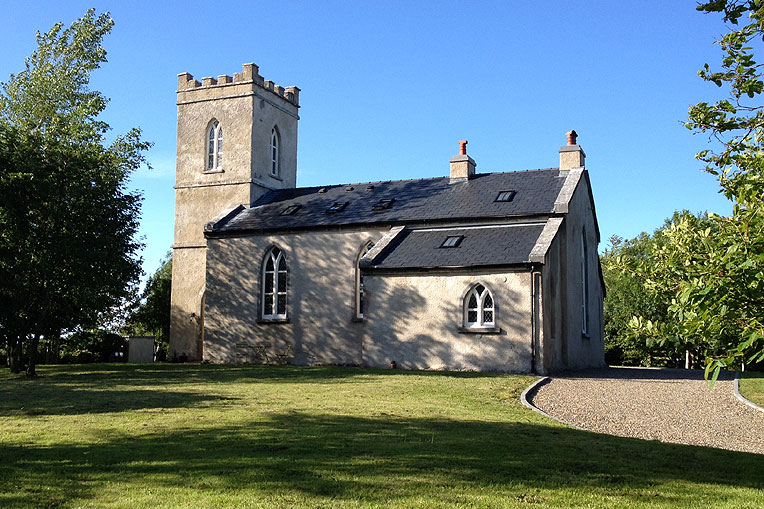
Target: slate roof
pixel 415 201
pixel 481 246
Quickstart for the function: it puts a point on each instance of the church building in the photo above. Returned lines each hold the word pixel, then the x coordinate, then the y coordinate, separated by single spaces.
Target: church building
pixel 470 271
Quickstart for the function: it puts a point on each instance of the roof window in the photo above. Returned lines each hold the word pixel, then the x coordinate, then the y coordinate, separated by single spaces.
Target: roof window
pixel 452 241
pixel 370 187
pixel 291 209
pixel 383 204
pixel 337 207
pixel 349 188
pixel 506 196
pixel 322 190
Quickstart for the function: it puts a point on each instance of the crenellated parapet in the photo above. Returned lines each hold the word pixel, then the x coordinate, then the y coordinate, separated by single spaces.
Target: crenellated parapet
pixel 249 75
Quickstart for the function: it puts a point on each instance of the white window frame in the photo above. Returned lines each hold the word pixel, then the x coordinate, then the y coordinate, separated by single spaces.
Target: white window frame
pixel 275 153
pixel 214 146
pixel 279 271
pixel 480 307
pixel 359 302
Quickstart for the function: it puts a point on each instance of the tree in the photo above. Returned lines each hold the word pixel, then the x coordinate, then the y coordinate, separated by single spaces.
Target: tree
pixel 627 297
pixel 668 271
pixel 151 314
pixel 68 248
pixel 714 270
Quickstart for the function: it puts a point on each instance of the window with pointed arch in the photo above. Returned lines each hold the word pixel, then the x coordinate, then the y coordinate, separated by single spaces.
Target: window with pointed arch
pixel 479 310
pixel 214 146
pixel 275 153
pixel 274 294
pixel 359 297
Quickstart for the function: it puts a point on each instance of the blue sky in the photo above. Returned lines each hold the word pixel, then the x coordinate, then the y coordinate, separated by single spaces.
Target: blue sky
pixel 389 87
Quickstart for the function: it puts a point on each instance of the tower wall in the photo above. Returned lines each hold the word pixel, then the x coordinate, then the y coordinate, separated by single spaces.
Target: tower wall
pixel 247 108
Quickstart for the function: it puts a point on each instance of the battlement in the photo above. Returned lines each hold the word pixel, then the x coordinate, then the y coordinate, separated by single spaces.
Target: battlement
pixel 250 73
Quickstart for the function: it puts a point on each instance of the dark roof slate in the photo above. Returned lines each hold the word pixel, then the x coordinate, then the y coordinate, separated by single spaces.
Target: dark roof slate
pixel 415 201
pixel 484 246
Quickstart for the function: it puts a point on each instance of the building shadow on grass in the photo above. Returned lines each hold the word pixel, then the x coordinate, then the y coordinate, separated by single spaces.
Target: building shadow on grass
pixel 376 460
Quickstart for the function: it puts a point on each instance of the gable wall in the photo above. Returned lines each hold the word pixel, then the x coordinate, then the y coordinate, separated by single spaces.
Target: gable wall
pixel 553 349
pixel 570 349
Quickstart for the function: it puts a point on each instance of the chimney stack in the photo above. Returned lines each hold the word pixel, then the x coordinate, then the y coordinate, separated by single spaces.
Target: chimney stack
pixel 462 165
pixel 571 155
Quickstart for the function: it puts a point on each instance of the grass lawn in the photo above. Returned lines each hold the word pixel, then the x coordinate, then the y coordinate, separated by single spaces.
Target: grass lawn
pixel 251 436
pixel 752 386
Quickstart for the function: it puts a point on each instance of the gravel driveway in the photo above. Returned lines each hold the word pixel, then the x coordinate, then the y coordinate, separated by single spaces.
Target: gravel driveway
pixel 666 405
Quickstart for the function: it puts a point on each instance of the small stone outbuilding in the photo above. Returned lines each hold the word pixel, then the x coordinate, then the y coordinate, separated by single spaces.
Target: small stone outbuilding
pixel 472 271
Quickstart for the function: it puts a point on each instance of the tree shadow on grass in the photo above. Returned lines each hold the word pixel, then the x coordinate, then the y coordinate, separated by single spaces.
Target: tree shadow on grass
pixel 320 458
pixel 105 375
pixel 105 388
pixel 72 401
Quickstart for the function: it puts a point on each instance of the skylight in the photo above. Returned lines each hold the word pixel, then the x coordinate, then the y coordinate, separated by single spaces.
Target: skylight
pixel 336 207
pixel 452 241
pixel 383 204
pixel 291 209
pixel 505 195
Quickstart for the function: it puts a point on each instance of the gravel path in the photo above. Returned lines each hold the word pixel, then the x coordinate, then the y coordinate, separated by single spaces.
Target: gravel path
pixel 666 405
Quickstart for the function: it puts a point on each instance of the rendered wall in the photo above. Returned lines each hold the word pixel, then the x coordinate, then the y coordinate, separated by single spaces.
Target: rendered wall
pixel 565 346
pixel 140 349
pixel 320 327
pixel 414 320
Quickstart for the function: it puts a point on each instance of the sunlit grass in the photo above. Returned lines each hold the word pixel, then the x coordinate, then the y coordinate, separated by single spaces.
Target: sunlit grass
pixel 752 386
pixel 252 436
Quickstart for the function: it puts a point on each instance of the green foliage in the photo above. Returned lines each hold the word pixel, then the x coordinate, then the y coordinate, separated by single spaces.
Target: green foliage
pixel 712 268
pixel 93 346
pixel 726 283
pixel 626 298
pixel 647 319
pixel 671 271
pixel 50 95
pixel 151 314
pixel 68 252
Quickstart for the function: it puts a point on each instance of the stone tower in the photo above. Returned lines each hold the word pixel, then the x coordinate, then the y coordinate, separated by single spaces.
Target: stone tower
pixel 237 138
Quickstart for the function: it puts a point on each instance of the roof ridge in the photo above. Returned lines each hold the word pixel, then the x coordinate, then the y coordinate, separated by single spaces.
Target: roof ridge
pixel 345 184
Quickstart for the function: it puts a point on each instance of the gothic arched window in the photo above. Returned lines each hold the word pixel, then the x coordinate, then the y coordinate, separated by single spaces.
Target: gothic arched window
pixel 275 153
pixel 479 308
pixel 274 294
pixel 214 146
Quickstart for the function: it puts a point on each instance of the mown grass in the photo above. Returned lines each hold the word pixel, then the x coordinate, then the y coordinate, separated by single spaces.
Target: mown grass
pixel 221 436
pixel 752 386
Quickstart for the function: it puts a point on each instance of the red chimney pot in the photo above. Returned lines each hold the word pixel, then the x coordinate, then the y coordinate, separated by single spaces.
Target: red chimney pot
pixel 572 135
pixel 463 148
